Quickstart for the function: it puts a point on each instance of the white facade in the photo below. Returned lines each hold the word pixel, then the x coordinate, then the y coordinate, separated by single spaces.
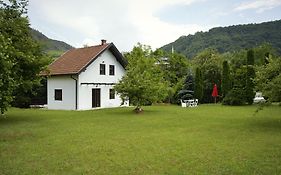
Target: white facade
pixel 67 85
pixel 92 75
pixel 87 80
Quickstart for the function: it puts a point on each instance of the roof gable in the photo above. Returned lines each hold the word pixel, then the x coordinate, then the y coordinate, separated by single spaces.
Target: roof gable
pixel 75 61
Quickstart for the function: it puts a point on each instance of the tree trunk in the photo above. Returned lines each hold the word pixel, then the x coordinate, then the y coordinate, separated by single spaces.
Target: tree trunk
pixel 138 110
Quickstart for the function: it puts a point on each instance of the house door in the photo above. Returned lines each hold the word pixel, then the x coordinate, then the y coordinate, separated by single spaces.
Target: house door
pixel 95 98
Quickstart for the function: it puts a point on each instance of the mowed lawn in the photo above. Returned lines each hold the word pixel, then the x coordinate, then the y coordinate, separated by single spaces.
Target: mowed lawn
pixel 209 139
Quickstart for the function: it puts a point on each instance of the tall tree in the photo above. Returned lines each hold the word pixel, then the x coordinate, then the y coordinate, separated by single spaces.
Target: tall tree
pixel 21 57
pixel 237 95
pixel 198 86
pixel 7 84
pixel 268 80
pixel 249 92
pixel 210 63
pixel 226 83
pixel 143 83
pixel 175 68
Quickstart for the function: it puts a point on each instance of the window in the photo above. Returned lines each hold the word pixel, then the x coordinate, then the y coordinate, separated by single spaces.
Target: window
pixel 58 94
pixel 111 69
pixel 111 94
pixel 102 69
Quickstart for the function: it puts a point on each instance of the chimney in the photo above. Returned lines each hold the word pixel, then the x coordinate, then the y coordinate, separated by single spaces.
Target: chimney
pixel 103 41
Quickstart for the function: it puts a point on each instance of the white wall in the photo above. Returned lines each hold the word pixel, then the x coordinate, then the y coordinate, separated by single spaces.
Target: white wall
pixel 92 75
pixel 67 84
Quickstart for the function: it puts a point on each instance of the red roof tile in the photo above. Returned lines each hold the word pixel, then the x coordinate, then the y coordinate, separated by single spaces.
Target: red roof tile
pixel 75 60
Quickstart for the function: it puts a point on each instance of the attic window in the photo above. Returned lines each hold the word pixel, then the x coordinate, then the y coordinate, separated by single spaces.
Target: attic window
pixel 111 70
pixel 102 69
pixel 58 94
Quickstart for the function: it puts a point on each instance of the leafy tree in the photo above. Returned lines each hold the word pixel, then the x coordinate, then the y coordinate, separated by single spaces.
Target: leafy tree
pixel 143 83
pixel 234 97
pixel 175 70
pixel 268 80
pixel 7 84
pixel 21 57
pixel 226 83
pixel 36 95
pixel 236 59
pixel 198 86
pixel 262 53
pixel 237 95
pixel 209 61
pixel 250 94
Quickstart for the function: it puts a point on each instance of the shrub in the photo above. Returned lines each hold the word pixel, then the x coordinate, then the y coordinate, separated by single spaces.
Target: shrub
pixel 234 97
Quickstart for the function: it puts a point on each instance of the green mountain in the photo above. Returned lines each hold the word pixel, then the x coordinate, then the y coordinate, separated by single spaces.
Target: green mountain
pixel 230 38
pixel 54 48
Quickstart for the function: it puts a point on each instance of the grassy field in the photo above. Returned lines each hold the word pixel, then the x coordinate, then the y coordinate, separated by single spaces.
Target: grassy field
pixel 209 139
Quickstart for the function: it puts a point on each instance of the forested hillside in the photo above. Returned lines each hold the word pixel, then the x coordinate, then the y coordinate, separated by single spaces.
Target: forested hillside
pixel 54 48
pixel 232 38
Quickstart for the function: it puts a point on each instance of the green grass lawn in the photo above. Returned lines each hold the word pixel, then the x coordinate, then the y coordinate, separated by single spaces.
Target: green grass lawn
pixel 209 139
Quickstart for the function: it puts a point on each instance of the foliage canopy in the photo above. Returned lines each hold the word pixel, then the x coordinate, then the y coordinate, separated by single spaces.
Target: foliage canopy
pixel 229 39
pixel 21 57
pixel 143 82
pixel 268 80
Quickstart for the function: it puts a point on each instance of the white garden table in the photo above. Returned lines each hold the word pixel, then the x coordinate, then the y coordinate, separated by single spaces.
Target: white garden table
pixel 190 103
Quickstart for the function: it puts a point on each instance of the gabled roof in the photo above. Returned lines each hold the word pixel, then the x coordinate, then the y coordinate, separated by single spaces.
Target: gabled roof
pixel 75 61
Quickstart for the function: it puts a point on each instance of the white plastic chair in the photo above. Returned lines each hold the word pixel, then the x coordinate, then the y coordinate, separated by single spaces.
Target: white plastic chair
pixel 183 104
pixel 196 102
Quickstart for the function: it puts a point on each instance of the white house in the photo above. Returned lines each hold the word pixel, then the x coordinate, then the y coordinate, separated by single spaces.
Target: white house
pixel 83 78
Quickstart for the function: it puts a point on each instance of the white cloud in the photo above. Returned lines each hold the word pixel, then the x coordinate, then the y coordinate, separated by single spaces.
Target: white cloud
pixel 259 5
pixel 155 32
pixel 88 42
pixel 124 22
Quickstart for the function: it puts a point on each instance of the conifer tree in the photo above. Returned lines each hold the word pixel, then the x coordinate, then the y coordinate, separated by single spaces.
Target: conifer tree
pixel 249 91
pixel 198 89
pixel 226 83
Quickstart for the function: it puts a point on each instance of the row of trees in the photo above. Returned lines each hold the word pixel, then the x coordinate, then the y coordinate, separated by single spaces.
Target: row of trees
pixel 168 77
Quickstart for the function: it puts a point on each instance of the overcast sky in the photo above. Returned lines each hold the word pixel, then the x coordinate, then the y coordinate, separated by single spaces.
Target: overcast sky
pixel 151 22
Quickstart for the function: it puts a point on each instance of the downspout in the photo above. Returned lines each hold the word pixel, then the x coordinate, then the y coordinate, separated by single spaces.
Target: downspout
pixel 76 90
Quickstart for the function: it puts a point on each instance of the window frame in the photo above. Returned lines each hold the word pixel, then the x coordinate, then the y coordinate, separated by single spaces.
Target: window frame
pixel 102 71
pixel 111 94
pixel 111 70
pixel 58 96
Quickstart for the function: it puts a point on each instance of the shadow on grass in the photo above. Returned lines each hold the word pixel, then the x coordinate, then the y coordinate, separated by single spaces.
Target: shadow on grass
pixel 13 119
pixel 124 112
pixel 10 136
pixel 266 124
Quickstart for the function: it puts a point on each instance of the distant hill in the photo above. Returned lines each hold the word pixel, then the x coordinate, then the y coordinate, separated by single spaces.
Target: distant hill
pixel 230 38
pixel 54 48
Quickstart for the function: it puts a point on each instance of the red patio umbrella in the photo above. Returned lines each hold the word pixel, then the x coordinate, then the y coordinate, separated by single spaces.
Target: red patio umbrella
pixel 215 92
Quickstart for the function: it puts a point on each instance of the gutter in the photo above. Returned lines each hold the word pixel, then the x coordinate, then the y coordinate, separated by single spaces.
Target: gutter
pixel 76 90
